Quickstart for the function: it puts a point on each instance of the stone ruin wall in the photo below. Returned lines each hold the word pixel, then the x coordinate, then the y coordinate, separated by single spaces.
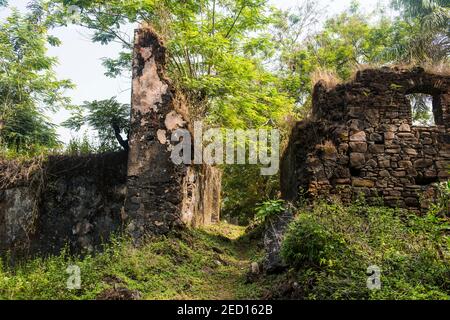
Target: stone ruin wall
pixel 81 201
pixel 73 201
pixel 360 140
pixel 162 195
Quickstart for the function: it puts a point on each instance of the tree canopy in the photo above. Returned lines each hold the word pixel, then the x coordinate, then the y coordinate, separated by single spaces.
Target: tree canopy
pixel 108 117
pixel 217 50
pixel 28 86
pixel 242 63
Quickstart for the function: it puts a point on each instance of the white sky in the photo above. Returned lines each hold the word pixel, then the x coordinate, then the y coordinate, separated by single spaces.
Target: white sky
pixel 80 59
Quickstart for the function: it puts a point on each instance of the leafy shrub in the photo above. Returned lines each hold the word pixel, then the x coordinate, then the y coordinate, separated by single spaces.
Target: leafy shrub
pixel 269 209
pixel 109 118
pixel 309 243
pixel 82 146
pixel 331 247
pixel 442 205
pixel 243 188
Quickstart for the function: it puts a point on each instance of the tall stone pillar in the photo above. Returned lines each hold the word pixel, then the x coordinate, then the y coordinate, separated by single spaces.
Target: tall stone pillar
pixel 154 185
pixel 162 195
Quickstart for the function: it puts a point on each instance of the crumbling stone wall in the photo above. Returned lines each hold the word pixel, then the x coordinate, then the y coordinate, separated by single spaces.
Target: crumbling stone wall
pixel 75 202
pixel 81 201
pixel 162 195
pixel 360 140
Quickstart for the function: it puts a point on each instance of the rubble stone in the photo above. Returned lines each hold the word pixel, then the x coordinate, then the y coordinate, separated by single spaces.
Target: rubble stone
pixel 388 155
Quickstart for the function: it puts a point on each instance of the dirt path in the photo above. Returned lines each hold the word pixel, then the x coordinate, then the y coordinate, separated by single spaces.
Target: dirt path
pixel 235 255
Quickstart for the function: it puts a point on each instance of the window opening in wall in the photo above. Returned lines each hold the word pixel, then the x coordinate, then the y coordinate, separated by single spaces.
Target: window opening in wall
pixel 422 109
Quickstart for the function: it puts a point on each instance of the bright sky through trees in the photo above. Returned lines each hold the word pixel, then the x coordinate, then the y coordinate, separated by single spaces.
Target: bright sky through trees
pixel 80 58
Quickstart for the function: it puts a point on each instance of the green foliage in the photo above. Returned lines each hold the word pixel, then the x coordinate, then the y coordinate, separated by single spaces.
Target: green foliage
pixel 352 39
pixel 442 205
pixel 118 66
pixel 27 131
pixel 243 188
pixel 269 209
pixel 422 108
pixel 216 52
pixel 83 146
pixel 109 118
pixel 420 9
pixel 331 246
pixel 428 39
pixel 346 41
pixel 217 55
pixel 310 244
pixel 240 62
pixel 28 87
pixel 183 266
pixel 355 42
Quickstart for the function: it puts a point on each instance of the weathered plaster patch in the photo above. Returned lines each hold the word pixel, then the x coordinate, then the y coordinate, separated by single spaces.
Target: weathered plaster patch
pixel 162 136
pixel 174 121
pixel 18 212
pixel 146 53
pixel 148 89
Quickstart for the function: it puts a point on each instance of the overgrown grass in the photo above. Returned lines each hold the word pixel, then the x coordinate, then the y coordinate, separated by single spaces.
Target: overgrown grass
pixel 331 246
pixel 202 264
